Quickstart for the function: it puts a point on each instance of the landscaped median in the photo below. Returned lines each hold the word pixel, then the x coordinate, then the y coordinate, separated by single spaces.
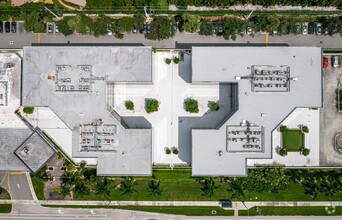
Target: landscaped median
pixel 292 210
pixel 175 210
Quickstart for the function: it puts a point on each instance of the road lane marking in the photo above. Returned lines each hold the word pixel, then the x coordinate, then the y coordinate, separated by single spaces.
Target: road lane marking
pixel 3 178
pixel 266 39
pixel 38 40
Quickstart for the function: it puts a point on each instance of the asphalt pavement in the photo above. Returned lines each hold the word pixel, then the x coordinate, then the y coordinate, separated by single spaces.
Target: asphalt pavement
pixel 19 40
pixel 16 184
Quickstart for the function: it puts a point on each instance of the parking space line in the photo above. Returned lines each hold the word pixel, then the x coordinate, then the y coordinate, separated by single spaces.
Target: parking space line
pixel 8 182
pixel 16 173
pixel 3 178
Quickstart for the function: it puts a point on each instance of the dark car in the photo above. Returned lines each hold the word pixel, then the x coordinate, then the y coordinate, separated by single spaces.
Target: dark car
pixel 13 27
pixel 175 26
pixel 1 26
pixel 7 27
pixel 180 27
pixel 311 28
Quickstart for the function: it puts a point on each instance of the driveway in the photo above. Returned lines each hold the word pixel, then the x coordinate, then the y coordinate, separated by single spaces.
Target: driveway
pixel 16 184
pixel 330 118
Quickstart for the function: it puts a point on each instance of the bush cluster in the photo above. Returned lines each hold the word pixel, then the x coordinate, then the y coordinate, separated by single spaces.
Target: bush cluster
pixel 151 105
pixel 129 105
pixel 191 105
pixel 28 110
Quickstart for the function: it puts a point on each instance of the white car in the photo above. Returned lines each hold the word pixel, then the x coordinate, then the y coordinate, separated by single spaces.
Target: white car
pixel 305 28
pixel 335 61
pixel 56 29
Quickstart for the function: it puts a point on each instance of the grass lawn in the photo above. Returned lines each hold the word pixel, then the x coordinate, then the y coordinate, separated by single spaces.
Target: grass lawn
pixel 5 208
pixel 38 185
pixel 178 185
pixel 305 210
pixel 176 210
pixel 293 140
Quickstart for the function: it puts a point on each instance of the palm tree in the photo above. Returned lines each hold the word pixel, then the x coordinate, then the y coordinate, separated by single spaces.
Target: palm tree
pixel 102 187
pixel 64 190
pixel 311 187
pixel 154 187
pixel 208 186
pixel 80 189
pixel 127 186
pixel 235 186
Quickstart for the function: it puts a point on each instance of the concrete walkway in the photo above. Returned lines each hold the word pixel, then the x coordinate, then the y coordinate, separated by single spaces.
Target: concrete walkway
pixel 236 205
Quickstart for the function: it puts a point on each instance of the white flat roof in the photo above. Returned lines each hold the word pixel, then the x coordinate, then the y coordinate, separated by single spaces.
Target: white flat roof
pixel 267 109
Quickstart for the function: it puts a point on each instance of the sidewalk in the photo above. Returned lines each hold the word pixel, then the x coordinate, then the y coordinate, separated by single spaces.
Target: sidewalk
pixel 238 205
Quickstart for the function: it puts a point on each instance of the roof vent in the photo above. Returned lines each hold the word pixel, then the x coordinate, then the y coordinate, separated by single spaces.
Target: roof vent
pixel 220 153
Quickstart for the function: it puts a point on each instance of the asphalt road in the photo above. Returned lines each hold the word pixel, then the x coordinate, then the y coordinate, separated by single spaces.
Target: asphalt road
pixel 19 40
pixel 16 184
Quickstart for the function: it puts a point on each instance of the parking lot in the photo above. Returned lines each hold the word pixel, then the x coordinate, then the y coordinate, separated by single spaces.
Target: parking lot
pixel 12 27
pixel 330 118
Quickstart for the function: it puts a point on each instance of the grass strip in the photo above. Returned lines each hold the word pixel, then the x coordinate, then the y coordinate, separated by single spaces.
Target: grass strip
pixel 5 208
pixel 38 185
pixel 292 210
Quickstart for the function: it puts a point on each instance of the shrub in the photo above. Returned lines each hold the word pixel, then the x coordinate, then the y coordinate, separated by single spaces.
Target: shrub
pixel 305 129
pixel 129 105
pixel 283 152
pixel 176 60
pixel 175 151
pixel 151 105
pixel 191 105
pixel 167 151
pixel 168 61
pixel 214 106
pixel 283 128
pixel 306 151
pixel 28 110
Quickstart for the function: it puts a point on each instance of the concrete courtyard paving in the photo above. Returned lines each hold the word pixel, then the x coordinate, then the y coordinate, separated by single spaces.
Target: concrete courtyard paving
pixel 170 89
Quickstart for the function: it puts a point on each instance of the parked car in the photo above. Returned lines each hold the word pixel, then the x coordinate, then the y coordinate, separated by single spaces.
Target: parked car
pixel 148 28
pixel 13 27
pixel 1 26
pixel 49 28
pixel 335 61
pixel 109 31
pixel 311 28
pixel 249 30
pixel 175 26
pixel 214 24
pixel 318 28
pixel 135 30
pixel 325 62
pixel 7 27
pixel 56 29
pixel 305 28
pixel 180 27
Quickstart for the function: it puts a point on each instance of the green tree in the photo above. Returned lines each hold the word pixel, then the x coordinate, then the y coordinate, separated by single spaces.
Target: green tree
pixel 100 25
pixel 191 23
pixel 102 187
pixel 154 187
pixel 161 28
pixel 151 105
pixel 82 24
pixel 80 189
pixel 126 23
pixel 64 190
pixel 191 105
pixel 235 186
pixel 127 186
pixel 129 105
pixel 311 186
pixel 206 28
pixel 214 106
pixel 28 110
pixel 63 26
pixel 208 186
